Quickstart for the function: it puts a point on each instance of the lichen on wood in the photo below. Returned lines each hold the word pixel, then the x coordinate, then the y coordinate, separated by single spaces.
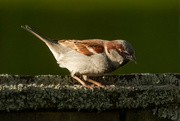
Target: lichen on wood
pixel 160 92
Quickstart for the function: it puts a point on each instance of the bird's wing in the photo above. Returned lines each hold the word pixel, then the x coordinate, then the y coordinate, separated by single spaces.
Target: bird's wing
pixel 86 47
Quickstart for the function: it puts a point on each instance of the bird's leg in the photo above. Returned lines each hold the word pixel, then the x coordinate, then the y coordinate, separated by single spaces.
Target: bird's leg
pixel 79 80
pixel 92 81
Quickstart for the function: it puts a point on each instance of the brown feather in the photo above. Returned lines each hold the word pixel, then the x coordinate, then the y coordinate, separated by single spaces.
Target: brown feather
pixel 82 46
pixel 114 45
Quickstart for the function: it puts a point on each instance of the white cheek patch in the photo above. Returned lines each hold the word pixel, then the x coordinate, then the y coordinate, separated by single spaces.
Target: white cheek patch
pixel 114 52
pixel 115 56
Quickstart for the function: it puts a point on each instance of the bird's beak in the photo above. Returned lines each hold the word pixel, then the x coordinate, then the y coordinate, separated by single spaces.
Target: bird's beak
pixel 131 58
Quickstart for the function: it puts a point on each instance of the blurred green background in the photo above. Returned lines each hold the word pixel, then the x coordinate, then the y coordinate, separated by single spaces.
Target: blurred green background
pixel 151 26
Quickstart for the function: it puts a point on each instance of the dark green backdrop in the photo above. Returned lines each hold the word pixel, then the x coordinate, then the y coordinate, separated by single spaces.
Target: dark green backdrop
pixel 151 26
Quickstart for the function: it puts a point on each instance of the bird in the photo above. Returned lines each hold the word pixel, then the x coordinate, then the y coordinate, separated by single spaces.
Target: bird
pixel 89 57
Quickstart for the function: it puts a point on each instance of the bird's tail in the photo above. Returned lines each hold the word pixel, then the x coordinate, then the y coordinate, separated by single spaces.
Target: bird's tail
pixel 37 34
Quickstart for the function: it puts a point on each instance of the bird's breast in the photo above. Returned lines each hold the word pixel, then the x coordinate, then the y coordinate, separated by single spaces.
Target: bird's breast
pixel 79 63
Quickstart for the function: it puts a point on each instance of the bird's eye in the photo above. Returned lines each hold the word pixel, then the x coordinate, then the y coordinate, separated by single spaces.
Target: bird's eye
pixel 124 53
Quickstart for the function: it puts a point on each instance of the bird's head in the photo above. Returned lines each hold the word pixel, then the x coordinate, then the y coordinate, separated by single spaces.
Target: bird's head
pixel 120 51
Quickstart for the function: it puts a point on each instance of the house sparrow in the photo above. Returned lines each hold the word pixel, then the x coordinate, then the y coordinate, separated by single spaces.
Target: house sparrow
pixel 91 57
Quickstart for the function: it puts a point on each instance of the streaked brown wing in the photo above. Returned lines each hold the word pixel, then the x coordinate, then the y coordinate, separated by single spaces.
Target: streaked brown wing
pixel 84 46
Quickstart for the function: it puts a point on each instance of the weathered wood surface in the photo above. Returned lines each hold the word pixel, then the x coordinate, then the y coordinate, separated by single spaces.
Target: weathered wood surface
pixel 158 94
